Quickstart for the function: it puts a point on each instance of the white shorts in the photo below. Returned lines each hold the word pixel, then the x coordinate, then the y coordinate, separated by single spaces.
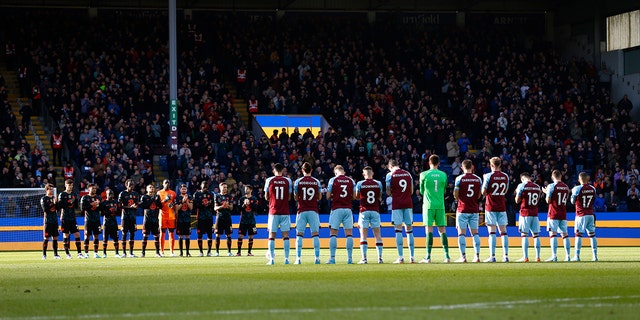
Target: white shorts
pixel 369 219
pixel 400 216
pixel 528 224
pixel 282 221
pixel 467 220
pixel 585 223
pixel 342 216
pixel 496 218
pixel 307 217
pixel 557 226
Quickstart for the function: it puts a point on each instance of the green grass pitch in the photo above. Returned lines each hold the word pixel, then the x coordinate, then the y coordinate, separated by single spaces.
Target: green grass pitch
pixel 244 287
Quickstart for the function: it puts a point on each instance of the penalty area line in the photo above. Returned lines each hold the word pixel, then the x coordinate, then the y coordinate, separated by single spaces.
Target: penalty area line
pixel 560 302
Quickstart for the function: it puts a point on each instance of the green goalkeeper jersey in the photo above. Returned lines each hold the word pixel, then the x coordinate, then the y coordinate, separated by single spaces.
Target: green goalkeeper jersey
pixel 433 184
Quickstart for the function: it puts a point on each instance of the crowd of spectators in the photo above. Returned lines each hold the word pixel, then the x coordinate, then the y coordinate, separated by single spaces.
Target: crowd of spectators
pixel 390 90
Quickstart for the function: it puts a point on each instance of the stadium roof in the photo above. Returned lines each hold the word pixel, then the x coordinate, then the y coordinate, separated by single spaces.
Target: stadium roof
pixel 567 10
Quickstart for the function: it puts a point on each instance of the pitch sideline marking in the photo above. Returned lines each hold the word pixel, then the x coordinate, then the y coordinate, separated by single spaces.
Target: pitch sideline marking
pixel 477 305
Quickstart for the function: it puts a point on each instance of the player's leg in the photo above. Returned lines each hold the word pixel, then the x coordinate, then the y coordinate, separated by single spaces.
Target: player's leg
pixel 334 225
pixel 301 224
pixel 271 244
pixel 429 219
pixel 209 233
pixel 200 232
pixel 156 240
pixel 228 235
pixel 163 236
pixel 461 227
pixel 502 227
pixel 578 230
pixel 145 238
pixel 535 229
pixel 474 222
pixel 590 227
pixel 314 227
pixel 132 242
pixel 218 232
pixel 552 227
pixel 187 243
pixel 565 239
pixel 105 241
pixel 242 230
pixel 86 240
pixel 172 239
pixel 66 242
pixel 252 231
pixel 397 220
pixel 378 235
pixel 408 222
pixel 124 239
pixel 285 227
pixel 441 222
pixel 347 225
pixel 523 229
pixel 45 245
pixel 363 224
pixel 96 241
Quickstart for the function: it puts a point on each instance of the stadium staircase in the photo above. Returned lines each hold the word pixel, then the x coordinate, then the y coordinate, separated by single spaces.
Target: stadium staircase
pixel 240 104
pixel 38 135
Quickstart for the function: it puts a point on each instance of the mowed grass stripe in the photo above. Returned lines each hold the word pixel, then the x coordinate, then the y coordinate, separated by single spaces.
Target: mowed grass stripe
pixel 226 286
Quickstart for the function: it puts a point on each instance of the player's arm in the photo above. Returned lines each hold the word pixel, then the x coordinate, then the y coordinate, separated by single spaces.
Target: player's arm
pixel 354 193
pixel 329 189
pixel 548 190
pixel 84 203
pixel 388 184
pixel 519 193
pixel 319 197
pixel 484 186
pixel 295 190
pixel 574 194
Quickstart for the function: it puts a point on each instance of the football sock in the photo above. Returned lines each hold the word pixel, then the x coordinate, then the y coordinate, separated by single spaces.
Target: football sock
pixel 217 243
pixel 209 243
pixel 250 245
pixel 399 242
pixel 333 244
pixel 578 245
pixel 567 245
pixel 536 245
pixel 363 248
pixel 379 249
pixel 45 244
pixel 77 245
pixel 117 246
pixel 505 244
pixel 229 243
pixel 156 242
pixel 594 245
pixel 553 241
pixel 272 249
pixel 96 243
pixel 298 246
pixel 104 248
pixel 287 247
pixel 525 246
pixel 66 245
pixel 131 242
pixel 180 245
pixel 476 243
pixel 411 241
pixel 462 244
pixel 54 243
pixel 163 234
pixel 316 246
pixel 492 244
pixel 445 244
pixel 429 244
pixel 187 244
pixel 200 244
pixel 349 246
pixel 240 245
pixel 86 245
pixel 124 243
pixel 144 243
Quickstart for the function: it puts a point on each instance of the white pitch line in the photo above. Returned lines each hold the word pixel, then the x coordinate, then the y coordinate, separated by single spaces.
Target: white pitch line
pixel 479 305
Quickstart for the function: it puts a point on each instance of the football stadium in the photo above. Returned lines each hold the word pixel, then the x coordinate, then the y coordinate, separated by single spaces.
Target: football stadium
pixel 365 159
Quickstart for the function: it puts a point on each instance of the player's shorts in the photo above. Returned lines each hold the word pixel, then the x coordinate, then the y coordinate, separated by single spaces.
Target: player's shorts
pixel 205 226
pixel 50 230
pixel 223 225
pixel 92 228
pixel 437 217
pixel 467 220
pixel 110 232
pixel 341 216
pixel 585 223
pixel 129 225
pixel 282 221
pixel 184 229
pixel 557 226
pixel 528 224
pixel 168 223
pixel 369 219
pixel 400 216
pixel 69 226
pixel 247 229
pixel 496 218
pixel 307 217
pixel 151 228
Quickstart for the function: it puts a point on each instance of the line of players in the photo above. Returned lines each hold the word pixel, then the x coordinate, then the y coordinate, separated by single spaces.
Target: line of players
pixel 164 212
pixel 341 190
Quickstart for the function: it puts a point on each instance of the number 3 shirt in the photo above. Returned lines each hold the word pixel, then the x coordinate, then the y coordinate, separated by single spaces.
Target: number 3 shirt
pixel 496 184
